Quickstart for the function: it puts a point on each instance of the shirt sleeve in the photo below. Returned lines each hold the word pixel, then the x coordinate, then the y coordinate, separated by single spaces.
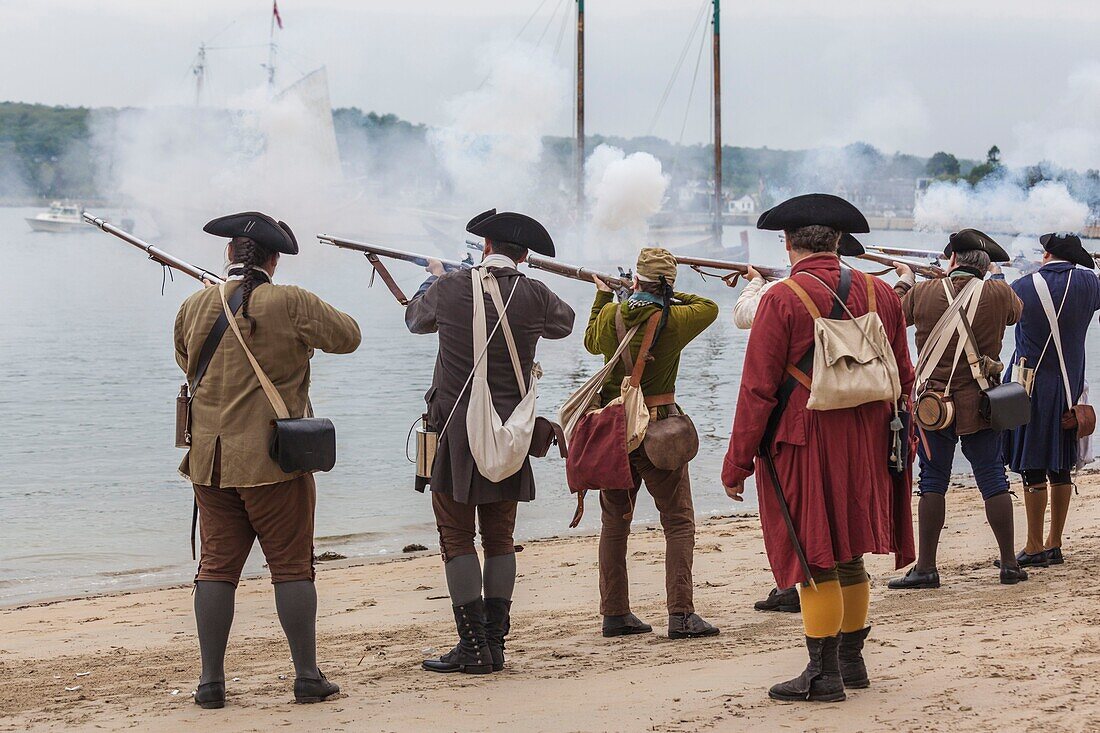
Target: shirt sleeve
pixel 908 305
pixel 744 310
pixel 181 341
pixel 320 326
pixel 763 372
pixel 559 317
pixel 592 332
pixel 420 313
pixel 696 314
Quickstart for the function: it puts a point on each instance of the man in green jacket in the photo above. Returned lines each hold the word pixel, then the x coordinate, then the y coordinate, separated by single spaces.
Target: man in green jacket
pixel 684 317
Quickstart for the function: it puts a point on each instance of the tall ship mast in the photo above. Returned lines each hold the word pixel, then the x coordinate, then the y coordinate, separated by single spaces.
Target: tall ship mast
pixel 717 53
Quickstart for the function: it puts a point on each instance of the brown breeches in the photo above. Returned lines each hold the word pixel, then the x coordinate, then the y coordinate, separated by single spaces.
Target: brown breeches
pixel 671 492
pixel 279 515
pixel 456 524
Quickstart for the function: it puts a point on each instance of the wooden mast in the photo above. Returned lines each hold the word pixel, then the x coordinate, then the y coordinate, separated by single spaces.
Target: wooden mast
pixel 717 125
pixel 579 144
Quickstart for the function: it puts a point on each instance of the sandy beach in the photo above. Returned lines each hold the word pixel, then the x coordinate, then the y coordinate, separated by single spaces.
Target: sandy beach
pixel 972 656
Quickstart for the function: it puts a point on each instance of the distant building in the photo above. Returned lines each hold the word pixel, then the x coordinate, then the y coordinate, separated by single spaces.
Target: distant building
pixel 745 205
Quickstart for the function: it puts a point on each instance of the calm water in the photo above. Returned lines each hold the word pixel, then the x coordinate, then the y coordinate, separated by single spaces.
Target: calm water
pixel 88 380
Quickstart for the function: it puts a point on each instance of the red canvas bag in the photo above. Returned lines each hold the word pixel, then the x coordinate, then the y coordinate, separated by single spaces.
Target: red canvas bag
pixel 598 458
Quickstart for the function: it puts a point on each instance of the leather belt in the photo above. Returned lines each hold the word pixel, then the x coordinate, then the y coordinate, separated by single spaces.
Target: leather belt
pixel 660 400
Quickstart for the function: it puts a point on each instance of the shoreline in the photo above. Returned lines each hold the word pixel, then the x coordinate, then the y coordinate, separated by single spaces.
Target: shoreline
pixel 944 660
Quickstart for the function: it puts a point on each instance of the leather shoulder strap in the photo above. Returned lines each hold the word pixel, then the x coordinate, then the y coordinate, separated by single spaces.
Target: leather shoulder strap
pixel 620 331
pixel 803 296
pixel 210 345
pixel 872 303
pixel 643 353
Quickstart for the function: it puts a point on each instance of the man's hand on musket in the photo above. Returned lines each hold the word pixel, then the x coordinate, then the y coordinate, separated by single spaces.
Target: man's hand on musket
pixel 208 283
pixel 601 285
pixel 435 267
pixel 734 492
pixel 994 268
pixel 902 269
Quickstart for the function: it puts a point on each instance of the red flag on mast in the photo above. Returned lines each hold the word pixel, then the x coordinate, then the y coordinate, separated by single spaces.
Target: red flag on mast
pixel 275 10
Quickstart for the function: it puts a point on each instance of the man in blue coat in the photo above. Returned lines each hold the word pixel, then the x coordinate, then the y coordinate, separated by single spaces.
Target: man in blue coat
pixel 1042 451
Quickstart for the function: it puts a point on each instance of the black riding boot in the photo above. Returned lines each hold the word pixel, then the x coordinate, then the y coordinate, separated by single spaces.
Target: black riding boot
pixel 497 625
pixel 820 681
pixel 471 655
pixel 852 668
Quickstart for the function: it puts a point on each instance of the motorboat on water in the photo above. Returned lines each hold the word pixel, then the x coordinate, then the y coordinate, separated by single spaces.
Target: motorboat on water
pixel 61 217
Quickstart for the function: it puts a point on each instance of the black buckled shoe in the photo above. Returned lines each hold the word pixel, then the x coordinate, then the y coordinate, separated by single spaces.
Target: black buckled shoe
pixel 1054 556
pixel 689 626
pixel 821 680
pixel 853 670
pixel 471 655
pixel 210 696
pixel 498 623
pixel 1027 560
pixel 624 626
pixel 786 601
pixel 1012 576
pixel 915 580
pixel 310 689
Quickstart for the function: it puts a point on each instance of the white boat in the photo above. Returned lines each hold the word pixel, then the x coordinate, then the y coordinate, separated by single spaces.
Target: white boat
pixel 61 217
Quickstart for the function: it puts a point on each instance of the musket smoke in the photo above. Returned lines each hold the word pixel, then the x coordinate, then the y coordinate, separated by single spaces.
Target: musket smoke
pixel 625 190
pixel 1001 205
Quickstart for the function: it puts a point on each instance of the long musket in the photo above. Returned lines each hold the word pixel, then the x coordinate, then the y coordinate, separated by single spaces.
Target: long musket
pixel 930 271
pixel 157 255
pixel 736 269
pixel 620 282
pixel 374 251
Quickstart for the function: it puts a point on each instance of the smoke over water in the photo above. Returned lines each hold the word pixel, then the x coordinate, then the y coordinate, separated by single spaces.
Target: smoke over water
pixel 492 145
pixel 1002 205
pixel 625 191
pixel 188 164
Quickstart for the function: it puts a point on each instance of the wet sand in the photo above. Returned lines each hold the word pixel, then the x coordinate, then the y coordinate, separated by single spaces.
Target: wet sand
pixel 972 656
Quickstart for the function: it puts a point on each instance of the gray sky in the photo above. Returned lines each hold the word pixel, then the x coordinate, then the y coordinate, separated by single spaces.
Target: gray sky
pixel 916 76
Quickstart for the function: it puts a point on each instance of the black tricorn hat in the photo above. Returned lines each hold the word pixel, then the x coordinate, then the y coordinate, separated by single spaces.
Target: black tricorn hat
pixel 821 209
pixel 971 239
pixel 849 246
pixel 512 228
pixel 1067 247
pixel 270 234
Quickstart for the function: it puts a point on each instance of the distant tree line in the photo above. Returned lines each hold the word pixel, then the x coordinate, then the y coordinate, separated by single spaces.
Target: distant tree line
pixel 47 152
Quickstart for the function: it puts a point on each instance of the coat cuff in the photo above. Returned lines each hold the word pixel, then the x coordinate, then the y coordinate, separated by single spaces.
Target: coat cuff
pixel 731 473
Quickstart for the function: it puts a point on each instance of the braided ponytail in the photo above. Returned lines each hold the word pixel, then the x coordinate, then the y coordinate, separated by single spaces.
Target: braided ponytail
pixel 249 255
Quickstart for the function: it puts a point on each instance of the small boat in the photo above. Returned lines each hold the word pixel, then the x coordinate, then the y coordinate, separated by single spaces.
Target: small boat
pixel 61 217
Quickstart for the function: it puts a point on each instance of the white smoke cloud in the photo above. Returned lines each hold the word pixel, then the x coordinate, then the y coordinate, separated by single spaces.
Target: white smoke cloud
pixel 1002 205
pixel 491 147
pixel 183 164
pixel 625 190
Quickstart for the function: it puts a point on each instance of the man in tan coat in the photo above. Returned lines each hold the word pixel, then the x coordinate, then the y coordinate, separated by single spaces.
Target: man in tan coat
pixel 241 494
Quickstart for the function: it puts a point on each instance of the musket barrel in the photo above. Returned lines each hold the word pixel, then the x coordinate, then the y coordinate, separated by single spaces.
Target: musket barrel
pixel 770 273
pixel 928 271
pixel 574 272
pixel 380 251
pixel 155 254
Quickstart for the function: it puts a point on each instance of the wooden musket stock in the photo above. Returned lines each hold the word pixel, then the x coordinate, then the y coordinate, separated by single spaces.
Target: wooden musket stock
pixel 157 255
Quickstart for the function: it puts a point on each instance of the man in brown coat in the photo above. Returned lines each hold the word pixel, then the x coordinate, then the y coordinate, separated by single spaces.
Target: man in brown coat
pixel 972 254
pixel 241 494
pixel 444 305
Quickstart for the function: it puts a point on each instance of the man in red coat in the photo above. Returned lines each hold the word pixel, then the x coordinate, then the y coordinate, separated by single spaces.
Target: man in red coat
pixel 832 465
